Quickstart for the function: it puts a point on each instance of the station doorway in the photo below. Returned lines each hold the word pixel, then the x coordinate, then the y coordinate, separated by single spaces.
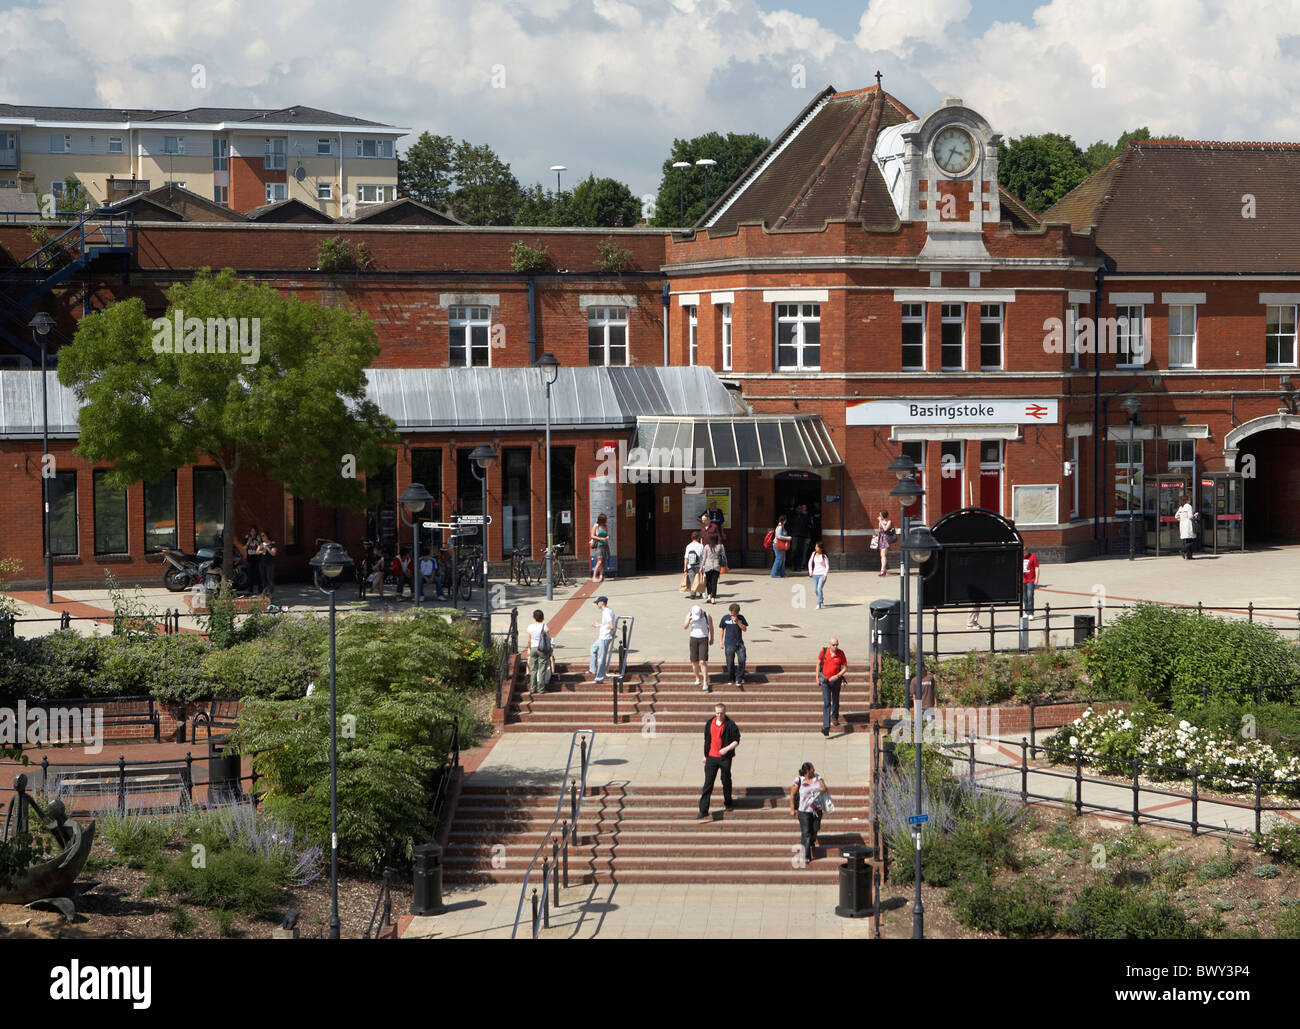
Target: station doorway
pixel 1270 465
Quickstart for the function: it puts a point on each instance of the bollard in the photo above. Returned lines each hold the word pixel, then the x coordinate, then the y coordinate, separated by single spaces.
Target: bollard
pixel 564 835
pixel 583 751
pixel 555 869
pixel 121 786
pixel 534 912
pixel 573 808
pixel 427 880
pixel 1024 634
pixel 546 897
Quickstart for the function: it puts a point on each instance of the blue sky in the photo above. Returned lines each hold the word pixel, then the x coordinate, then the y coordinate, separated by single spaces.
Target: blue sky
pixel 604 85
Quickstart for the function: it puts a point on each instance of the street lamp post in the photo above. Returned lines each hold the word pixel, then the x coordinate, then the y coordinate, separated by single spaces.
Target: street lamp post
pixel 414 497
pixel 706 163
pixel 329 565
pixel 906 492
pixel 681 167
pixel 480 457
pixel 557 168
pixel 40 326
pixel 1133 409
pixel 921 544
pixel 550 372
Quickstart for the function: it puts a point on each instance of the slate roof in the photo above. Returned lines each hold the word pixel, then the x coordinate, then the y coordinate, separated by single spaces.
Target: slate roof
pixel 403 211
pixel 1177 206
pixel 290 210
pixel 178 201
pixel 194 115
pixel 818 168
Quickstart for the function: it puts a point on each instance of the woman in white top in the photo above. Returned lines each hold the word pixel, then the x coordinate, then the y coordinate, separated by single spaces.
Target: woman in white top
pixel 780 535
pixel 700 624
pixel 541 653
pixel 807 801
pixel 819 566
pixel 885 536
pixel 691 562
pixel 1186 528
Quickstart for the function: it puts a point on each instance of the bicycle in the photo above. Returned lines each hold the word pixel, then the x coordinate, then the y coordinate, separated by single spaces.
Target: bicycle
pixel 559 568
pixel 521 572
pixel 469 571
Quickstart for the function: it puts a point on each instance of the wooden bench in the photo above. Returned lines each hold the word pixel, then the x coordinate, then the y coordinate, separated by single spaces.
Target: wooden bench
pixel 115 711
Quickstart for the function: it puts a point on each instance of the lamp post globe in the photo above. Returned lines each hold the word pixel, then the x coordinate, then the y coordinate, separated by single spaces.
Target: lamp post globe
pixel 480 458
pixel 907 491
pixel 414 498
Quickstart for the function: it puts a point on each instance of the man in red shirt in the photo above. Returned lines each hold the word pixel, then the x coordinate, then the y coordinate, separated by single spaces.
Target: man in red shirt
pixel 721 738
pixel 1029 580
pixel 831 665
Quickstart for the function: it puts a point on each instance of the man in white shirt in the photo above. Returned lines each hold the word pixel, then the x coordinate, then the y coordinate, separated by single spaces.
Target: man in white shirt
pixel 1186 526
pixel 429 575
pixel 691 564
pixel 600 650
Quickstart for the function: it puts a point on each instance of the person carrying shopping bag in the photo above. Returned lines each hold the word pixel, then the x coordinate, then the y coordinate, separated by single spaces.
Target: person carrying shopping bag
pixel 808 796
pixel 780 548
pixel 715 559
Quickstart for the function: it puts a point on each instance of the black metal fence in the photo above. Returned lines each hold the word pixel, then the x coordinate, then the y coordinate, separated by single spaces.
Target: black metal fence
pixel 508 645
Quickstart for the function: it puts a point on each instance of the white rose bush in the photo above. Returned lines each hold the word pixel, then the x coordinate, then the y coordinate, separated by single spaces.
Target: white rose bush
pixel 1169 750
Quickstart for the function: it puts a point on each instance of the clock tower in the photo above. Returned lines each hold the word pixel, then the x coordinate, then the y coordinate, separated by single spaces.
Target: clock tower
pixel 943 170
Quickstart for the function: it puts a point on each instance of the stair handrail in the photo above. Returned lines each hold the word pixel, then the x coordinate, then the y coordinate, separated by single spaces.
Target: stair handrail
pixel 585 740
pixel 101 216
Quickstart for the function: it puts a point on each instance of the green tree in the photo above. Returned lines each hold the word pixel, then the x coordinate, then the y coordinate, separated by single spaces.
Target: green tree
pixel 487 192
pixel 426 173
pixel 288 402
pixel 603 203
pixel 1039 170
pixel 734 152
pixel 540 206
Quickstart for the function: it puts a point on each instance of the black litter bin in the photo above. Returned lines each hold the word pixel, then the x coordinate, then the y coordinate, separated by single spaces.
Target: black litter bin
pixel 223 769
pixel 1084 627
pixel 855 883
pixel 884 621
pixel 426 898
pixel 888 749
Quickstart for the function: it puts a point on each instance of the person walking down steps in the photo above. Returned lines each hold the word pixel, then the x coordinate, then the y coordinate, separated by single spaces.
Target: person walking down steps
pixel 721 738
pixel 808 797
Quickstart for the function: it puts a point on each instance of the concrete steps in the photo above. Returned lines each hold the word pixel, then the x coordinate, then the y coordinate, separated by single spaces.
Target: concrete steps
pixel 649 834
pixel 772 699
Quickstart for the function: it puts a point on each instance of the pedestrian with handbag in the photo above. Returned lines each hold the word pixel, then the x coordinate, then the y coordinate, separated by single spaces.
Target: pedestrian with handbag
pixel 886 536
pixel 715 559
pixel 819 566
pixel 808 800
pixel 599 544
pixel 831 666
pixel 540 650
pixel 780 548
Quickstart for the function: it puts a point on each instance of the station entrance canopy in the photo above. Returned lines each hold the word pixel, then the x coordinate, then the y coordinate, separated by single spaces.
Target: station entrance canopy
pixel 759 443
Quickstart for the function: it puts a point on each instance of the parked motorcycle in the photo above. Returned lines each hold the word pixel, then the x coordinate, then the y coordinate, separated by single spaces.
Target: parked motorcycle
pixel 184 570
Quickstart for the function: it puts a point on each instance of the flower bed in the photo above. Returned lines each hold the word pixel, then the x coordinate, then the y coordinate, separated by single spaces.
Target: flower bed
pixel 1168 750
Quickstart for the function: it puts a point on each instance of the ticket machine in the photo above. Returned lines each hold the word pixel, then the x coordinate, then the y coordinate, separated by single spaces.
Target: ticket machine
pixel 1222 507
pixel 1164 496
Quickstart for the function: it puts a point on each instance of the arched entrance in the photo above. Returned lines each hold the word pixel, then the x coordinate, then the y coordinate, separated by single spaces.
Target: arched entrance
pixel 1267 452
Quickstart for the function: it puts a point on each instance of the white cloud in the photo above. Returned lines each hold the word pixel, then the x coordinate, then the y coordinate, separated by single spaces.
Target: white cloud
pixel 898 25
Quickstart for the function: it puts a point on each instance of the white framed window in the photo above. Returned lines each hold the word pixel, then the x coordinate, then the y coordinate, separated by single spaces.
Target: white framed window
pixel 324 191
pixel 276 191
pixel 913 337
pixel 1074 477
pixel 115 144
pixel 469 329
pixel 1127 464
pixel 693 334
pixel 173 144
pixel 375 194
pixel 990 336
pixel 221 194
pixel 60 144
pixel 221 155
pixel 1182 455
pixel 606 336
pixel 1130 346
pixel 1182 335
pixel 374 148
pixel 799 336
pixel 324 147
pixel 1076 355
pixel 726 337
pixel 273 157
pixel 952 337
pixel 1279 335
pixel 57 187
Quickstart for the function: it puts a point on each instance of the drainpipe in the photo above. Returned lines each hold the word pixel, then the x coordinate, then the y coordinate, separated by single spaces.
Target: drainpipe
pixel 1098 447
pixel 664 299
pixel 532 320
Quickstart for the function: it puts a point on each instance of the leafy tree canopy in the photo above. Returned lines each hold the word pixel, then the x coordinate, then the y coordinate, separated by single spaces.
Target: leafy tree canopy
pixel 291 404
pixel 734 152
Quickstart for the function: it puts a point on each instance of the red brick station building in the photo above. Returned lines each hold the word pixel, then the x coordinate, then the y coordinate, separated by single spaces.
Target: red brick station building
pixel 864 289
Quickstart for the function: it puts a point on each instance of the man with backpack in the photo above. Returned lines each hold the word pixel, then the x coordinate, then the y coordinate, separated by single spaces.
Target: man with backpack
pixel 831 666
pixel 540 650
pixel 691 564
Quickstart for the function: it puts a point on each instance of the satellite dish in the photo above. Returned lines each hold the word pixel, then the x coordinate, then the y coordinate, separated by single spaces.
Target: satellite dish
pixel 300 173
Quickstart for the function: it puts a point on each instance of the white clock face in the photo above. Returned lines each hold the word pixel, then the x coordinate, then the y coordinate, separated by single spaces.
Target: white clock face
pixel 954 150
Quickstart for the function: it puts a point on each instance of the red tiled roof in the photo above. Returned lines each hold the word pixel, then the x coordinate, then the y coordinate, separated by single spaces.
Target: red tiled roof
pixel 1184 206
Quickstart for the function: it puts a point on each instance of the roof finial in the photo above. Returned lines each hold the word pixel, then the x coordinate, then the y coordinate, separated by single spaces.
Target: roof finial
pixel 878 78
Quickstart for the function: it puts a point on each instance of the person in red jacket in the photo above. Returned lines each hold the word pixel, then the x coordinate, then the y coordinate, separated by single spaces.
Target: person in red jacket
pixel 1029 580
